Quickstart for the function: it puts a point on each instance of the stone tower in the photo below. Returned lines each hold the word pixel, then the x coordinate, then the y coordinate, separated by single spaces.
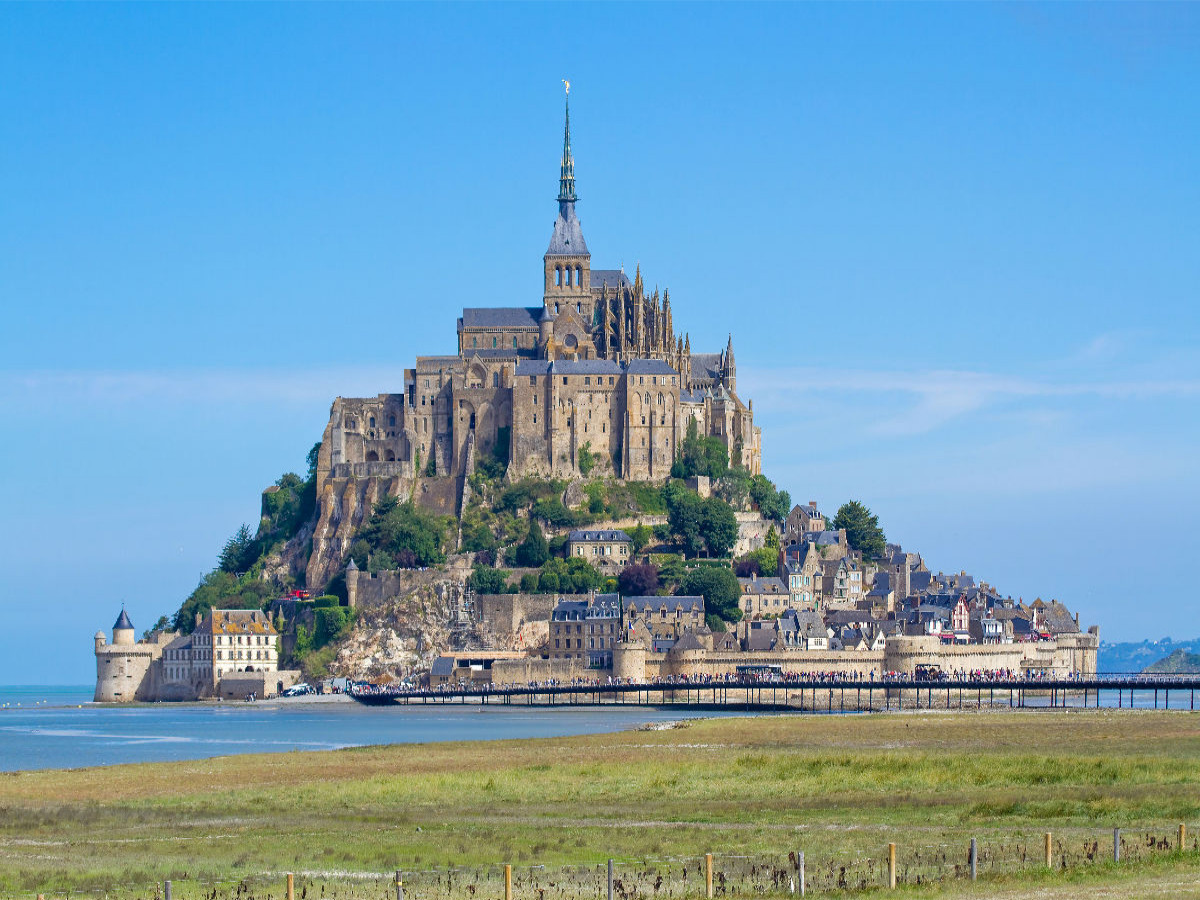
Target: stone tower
pixel 567 263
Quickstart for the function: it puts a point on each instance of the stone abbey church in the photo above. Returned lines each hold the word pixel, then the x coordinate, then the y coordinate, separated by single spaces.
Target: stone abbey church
pixel 597 365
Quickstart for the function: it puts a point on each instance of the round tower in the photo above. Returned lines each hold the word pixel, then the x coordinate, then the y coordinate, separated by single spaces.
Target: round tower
pixel 123 635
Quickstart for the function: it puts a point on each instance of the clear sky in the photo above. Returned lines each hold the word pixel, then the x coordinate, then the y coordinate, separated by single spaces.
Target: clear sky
pixel 958 247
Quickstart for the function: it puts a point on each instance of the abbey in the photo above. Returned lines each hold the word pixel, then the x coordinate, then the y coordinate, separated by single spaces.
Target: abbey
pixel 595 371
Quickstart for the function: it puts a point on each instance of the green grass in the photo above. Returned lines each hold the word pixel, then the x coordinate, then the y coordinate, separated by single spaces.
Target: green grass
pixel 838 787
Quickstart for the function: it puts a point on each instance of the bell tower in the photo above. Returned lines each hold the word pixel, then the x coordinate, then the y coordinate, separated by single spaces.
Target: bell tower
pixel 567 263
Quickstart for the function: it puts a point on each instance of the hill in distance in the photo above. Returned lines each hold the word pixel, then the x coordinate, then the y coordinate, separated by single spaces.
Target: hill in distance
pixel 1136 656
pixel 1178 663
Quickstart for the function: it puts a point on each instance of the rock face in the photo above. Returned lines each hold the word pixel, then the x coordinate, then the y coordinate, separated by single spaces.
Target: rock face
pixel 420 616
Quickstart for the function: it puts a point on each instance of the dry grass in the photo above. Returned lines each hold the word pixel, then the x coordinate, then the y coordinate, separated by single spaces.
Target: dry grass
pixel 839 787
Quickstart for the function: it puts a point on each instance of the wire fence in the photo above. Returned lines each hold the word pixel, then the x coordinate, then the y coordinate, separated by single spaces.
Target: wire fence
pixel 677 878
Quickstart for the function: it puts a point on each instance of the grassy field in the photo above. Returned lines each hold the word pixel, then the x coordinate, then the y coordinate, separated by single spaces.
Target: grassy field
pixel 750 791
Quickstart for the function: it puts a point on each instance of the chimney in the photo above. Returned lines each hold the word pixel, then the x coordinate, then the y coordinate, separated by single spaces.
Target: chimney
pixel 812 503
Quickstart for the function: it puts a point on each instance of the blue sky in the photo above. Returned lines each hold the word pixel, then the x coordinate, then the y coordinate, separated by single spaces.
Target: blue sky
pixel 956 244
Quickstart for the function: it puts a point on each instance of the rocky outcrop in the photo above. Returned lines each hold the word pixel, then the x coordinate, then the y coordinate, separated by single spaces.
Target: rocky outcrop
pixel 421 616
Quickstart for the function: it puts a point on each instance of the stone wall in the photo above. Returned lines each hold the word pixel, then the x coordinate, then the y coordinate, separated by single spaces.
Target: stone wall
pixel 261 684
pixel 504 614
pixel 524 671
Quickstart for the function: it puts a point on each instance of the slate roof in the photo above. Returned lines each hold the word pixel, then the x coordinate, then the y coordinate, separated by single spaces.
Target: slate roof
pixel 612 277
pixel 706 365
pixel 691 396
pixel 567 238
pixel 605 535
pixel 567 367
pixel 649 367
pixel 569 610
pixel 501 317
pixel 123 621
pixel 670 604
pixel 762 586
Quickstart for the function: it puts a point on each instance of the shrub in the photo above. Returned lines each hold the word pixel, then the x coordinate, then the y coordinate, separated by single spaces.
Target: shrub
pixel 486 580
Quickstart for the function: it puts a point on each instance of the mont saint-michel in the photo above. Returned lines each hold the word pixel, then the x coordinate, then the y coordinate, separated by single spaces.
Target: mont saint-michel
pixel 574 495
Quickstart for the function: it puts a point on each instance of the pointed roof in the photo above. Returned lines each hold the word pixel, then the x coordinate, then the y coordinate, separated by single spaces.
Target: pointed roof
pixel 567 239
pixel 729 352
pixel 123 622
pixel 566 177
pixel 352 566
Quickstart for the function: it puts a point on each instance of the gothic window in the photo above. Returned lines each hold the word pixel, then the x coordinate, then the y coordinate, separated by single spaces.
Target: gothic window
pixel 579 276
pixel 495 379
pixel 372 423
pixel 493 343
pixel 558 276
pixel 474 342
pixel 392 421
pixel 647 399
pixel 660 399
pixel 579 308
pixel 514 343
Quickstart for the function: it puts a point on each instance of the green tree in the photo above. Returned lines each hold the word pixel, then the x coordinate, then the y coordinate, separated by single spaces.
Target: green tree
pixel 718 526
pixel 329 624
pixel 585 459
pixel 718 586
pixel 406 532
pixel 862 529
pixel 534 550
pixel 639 537
pixel 240 552
pixel 734 488
pixel 685 517
pixel 772 503
pixel 486 580
pixel 771 541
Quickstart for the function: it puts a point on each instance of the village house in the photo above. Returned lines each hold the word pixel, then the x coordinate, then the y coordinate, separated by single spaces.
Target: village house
pixel 607 550
pixel 762 597
pixel 802 569
pixel 586 630
pixel 803 519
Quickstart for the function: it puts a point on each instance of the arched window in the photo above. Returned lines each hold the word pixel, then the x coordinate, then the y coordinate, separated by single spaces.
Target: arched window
pixel 372 421
pixel 392 421
pixel 558 276
pixel 579 276
pixel 660 399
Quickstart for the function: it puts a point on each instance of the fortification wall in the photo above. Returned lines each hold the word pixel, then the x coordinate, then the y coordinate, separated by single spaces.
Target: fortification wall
pixel 261 684
pixel 504 614
pixel 523 671
pixel 1063 656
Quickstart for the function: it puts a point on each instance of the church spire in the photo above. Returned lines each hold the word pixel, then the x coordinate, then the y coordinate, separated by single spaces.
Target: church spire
pixel 566 178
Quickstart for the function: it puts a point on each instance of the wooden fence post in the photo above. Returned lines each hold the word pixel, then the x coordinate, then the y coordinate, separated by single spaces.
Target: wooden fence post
pixel 399 886
pixel 291 887
pixel 801 862
pixel 891 865
pixel 1182 836
pixel 610 880
pixel 1116 845
pixel 1049 850
pixel 507 881
pixel 708 876
pixel 974 859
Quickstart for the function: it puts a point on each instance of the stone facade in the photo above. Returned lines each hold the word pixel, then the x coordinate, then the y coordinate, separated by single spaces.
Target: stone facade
pixel 597 366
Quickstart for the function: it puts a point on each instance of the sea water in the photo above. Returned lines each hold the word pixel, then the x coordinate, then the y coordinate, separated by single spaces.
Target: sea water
pixel 59 727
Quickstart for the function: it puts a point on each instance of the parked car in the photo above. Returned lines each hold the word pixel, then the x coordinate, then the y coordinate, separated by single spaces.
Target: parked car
pixel 298 690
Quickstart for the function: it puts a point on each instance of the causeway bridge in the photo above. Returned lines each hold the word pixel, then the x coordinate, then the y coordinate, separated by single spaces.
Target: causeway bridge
pixel 822 695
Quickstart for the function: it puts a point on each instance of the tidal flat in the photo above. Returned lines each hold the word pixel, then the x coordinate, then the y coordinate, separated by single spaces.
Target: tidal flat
pixel 753 791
